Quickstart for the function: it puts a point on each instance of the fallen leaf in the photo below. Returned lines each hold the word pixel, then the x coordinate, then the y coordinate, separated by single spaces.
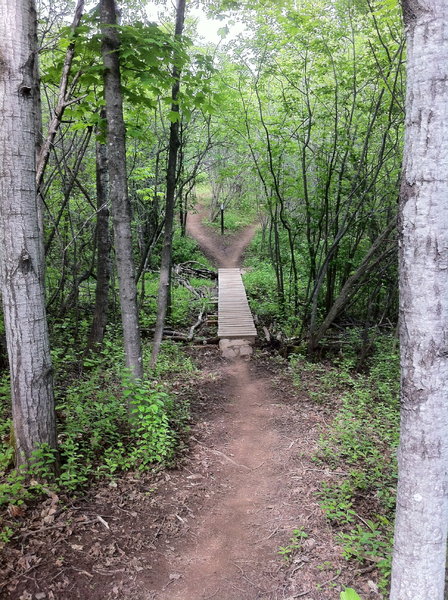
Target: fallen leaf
pixel 372 586
pixel 16 511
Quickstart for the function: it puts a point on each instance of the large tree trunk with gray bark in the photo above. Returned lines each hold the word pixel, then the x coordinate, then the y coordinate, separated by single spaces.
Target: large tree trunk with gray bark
pixel 21 268
pixel 418 571
pixel 118 189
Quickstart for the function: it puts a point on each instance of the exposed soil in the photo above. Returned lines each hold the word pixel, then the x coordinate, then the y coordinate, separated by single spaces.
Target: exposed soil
pixel 224 251
pixel 211 528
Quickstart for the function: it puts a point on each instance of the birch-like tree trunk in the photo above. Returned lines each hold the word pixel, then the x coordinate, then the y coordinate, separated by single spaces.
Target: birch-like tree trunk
pixel 418 570
pixel 21 268
pixel 118 189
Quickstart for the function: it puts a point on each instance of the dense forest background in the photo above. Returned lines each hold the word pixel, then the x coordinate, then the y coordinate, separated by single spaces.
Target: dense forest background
pixel 299 120
pixel 297 124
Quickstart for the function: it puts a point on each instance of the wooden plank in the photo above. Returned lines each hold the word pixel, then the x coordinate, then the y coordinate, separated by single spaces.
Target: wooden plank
pixel 234 316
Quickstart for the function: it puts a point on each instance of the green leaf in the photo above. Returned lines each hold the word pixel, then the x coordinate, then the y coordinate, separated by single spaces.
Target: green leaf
pixel 350 594
pixel 174 116
pixel 223 32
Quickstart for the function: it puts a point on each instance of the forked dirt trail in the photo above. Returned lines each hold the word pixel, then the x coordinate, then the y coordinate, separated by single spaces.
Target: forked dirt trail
pixel 223 251
pixel 230 554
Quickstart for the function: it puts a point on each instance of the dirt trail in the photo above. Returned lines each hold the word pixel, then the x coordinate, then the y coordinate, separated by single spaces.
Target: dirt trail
pixel 232 552
pixel 225 555
pixel 231 547
pixel 223 251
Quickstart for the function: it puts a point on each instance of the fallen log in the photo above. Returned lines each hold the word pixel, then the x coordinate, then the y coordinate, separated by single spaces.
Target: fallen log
pixel 200 321
pixel 180 336
pixel 201 272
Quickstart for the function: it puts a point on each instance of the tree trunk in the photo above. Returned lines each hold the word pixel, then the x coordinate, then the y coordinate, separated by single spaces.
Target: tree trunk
pixel 118 190
pixel 21 268
pixel 369 261
pixel 418 569
pixel 165 264
pixel 103 250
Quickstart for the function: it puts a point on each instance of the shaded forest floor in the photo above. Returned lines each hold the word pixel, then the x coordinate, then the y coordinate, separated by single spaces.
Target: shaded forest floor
pixel 214 526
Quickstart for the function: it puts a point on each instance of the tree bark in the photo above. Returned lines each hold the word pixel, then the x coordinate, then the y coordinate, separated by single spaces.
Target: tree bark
pixel 165 264
pixel 21 267
pixel 103 245
pixel 118 189
pixel 418 568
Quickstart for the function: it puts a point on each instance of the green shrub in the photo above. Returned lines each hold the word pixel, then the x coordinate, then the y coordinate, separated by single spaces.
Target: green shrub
pixel 186 249
pixel 362 442
pixel 260 286
pixel 96 435
pixel 185 306
pixel 235 217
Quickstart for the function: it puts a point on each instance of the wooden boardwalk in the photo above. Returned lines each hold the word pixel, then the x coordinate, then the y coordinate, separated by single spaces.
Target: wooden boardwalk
pixel 234 317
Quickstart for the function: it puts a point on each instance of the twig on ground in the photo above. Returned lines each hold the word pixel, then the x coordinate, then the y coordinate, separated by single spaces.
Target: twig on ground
pixel 158 530
pixel 218 452
pixel 305 593
pixel 57 575
pixel 296 568
pixel 26 534
pixel 246 577
pixel 260 465
pixel 198 323
pixel 332 579
pixel 365 522
pixel 20 575
pixel 82 571
pixel 269 536
pixel 213 595
pixel 103 522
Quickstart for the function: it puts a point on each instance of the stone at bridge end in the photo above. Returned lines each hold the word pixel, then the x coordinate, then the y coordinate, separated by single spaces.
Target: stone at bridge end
pixel 234 348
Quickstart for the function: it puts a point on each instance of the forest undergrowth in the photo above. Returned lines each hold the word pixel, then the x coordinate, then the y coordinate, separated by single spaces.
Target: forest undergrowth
pixel 360 449
pixel 97 441
pixel 94 396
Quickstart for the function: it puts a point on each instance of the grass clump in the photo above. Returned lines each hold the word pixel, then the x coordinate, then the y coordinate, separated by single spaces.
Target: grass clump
pixel 234 220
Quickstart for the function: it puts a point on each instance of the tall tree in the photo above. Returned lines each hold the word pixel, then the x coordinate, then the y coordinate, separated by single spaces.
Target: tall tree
pixel 21 268
pixel 418 570
pixel 118 188
pixel 165 265
pixel 102 249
